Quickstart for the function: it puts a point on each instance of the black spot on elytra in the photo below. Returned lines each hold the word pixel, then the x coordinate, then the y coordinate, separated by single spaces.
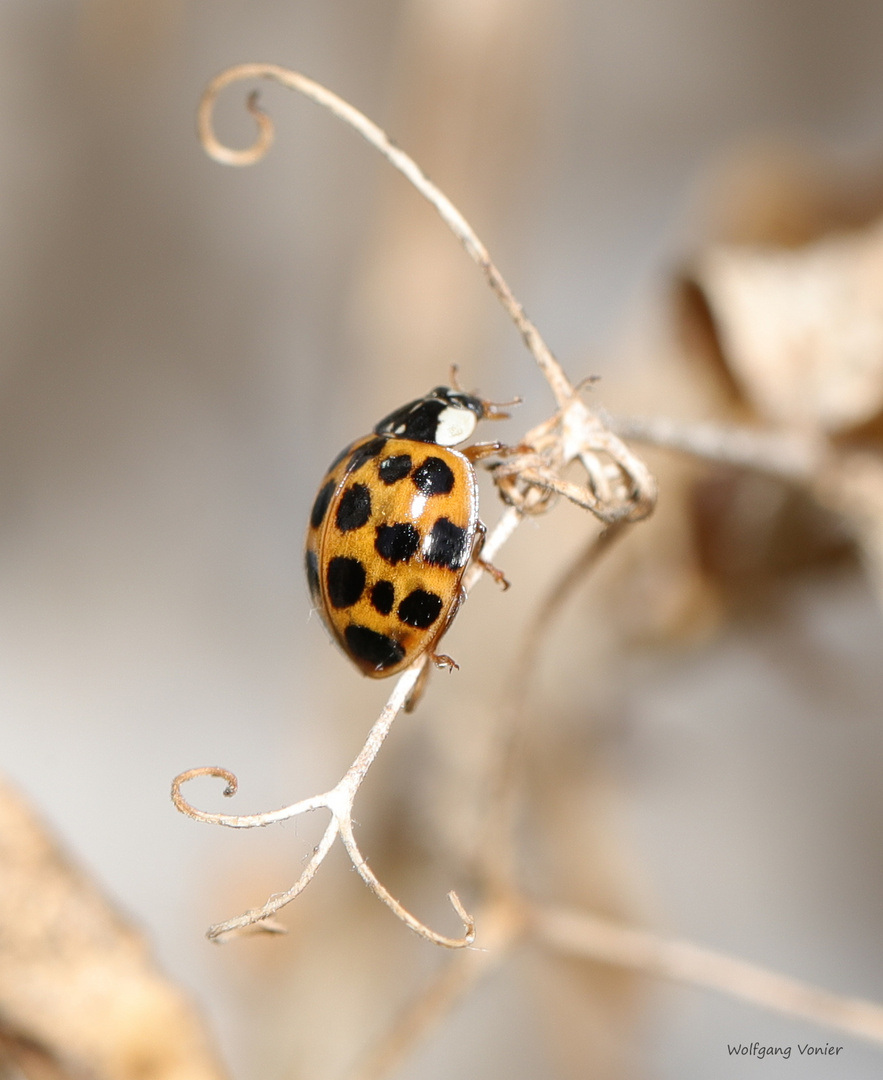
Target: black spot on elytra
pixel 365 452
pixel 420 609
pixel 320 506
pixel 394 468
pixel 311 563
pixel 447 545
pixel 383 596
pixel 354 509
pixel 376 650
pixel 346 581
pixel 434 477
pixel 396 543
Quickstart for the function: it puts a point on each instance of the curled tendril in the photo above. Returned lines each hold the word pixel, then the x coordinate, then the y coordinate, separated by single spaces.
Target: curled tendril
pixel 187 808
pixel 339 802
pixel 226 155
pixel 377 137
pixel 640 490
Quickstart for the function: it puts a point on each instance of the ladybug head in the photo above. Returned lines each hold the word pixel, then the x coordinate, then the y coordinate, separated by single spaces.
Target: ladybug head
pixel 445 417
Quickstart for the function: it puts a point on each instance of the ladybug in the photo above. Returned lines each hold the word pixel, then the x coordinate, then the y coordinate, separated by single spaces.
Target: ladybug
pixel 392 529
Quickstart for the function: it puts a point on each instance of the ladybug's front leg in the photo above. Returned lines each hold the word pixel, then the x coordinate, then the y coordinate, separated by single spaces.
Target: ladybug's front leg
pixel 483 450
pixel 473 454
pixel 489 568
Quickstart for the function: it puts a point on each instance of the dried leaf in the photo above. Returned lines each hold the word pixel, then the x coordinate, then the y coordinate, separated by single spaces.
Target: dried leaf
pixel 802 330
pixel 79 993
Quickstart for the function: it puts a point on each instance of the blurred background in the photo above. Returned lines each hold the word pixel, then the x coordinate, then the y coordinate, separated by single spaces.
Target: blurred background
pixel 183 349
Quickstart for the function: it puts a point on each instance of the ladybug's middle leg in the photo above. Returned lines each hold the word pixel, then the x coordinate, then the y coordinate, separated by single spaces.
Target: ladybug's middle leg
pixel 497 575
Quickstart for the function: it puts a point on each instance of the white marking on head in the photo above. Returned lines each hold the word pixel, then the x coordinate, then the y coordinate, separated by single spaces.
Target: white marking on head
pixel 454 425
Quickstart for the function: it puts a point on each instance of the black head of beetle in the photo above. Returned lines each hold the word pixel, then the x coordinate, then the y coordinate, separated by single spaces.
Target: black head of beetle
pixel 444 416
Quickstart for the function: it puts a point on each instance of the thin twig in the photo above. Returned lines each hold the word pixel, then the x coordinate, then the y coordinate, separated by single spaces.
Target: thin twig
pixel 581 431
pixel 503 926
pixel 595 938
pixel 459 226
pixel 367 875
pixel 340 800
pixel 561 590
pixel 791 455
pixel 511 721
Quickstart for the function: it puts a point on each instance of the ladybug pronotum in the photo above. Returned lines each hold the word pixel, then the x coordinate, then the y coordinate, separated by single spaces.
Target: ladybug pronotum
pixel 393 528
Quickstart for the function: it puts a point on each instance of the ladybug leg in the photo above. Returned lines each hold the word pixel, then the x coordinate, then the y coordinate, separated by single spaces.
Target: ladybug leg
pixel 438 660
pixel 489 568
pixel 483 450
pixel 441 660
pixel 445 662
pixel 455 381
pixel 495 573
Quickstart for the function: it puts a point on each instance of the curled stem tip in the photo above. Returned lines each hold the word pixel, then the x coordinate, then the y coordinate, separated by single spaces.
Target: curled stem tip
pixel 343 110
pixel 191 774
pixel 217 150
pixel 464 916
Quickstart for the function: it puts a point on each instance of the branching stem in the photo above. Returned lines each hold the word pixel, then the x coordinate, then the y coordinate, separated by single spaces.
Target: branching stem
pixel 619 488
pixel 580 933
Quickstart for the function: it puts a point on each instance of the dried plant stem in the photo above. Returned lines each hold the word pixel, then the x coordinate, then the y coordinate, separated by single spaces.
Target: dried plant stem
pixel 791 455
pixel 582 433
pixel 846 480
pixel 502 531
pixel 509 922
pixel 503 926
pixel 510 723
pixel 339 801
pixel 459 226
pixel 561 590
pixel 595 938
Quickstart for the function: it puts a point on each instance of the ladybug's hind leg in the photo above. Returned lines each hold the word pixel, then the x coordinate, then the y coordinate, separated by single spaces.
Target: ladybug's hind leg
pixel 489 568
pixel 445 662
pixel 438 660
pixel 442 660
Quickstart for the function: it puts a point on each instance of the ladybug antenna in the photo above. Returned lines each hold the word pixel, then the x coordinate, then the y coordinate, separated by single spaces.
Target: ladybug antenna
pixel 494 410
pixel 455 382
